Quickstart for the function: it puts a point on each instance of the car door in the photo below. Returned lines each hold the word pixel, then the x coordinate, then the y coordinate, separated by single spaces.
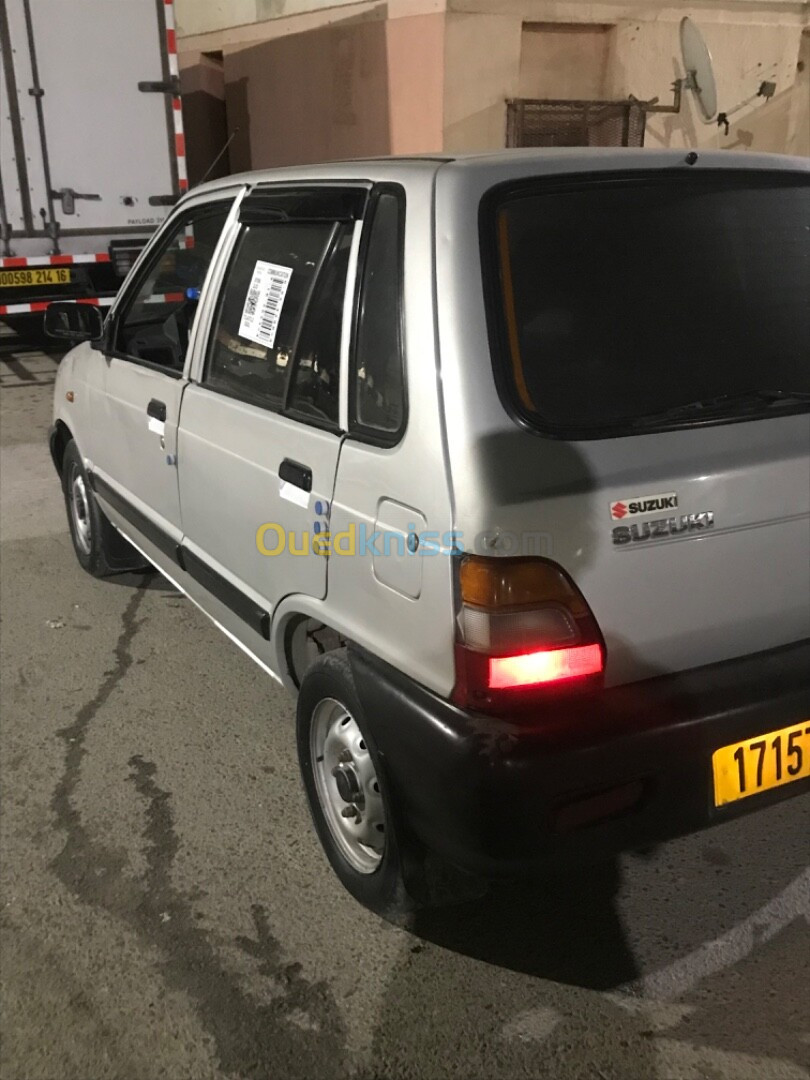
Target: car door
pixel 260 430
pixel 147 345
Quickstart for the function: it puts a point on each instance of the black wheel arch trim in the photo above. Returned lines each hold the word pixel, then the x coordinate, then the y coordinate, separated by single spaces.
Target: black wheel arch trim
pixel 53 447
pixel 59 435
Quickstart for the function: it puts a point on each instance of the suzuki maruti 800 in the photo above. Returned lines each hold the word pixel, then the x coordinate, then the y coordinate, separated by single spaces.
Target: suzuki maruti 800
pixel 501 464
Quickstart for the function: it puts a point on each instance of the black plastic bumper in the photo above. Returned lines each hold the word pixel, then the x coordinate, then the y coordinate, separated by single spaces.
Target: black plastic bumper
pixel 586 777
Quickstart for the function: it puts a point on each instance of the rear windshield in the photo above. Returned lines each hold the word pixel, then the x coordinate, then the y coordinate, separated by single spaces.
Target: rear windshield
pixel 614 302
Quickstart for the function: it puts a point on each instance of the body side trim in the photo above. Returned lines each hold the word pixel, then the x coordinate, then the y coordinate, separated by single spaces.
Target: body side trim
pixel 231 596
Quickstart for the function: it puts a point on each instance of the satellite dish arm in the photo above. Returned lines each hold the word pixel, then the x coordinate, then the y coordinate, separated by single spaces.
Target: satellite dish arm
pixel 678 87
pixel 766 90
pixel 677 93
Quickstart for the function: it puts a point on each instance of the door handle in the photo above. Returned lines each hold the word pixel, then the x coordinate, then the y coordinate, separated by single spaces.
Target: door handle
pixel 69 197
pixel 157 410
pixel 292 472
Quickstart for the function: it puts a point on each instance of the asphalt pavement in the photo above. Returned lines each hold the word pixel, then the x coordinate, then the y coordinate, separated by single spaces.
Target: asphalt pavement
pixel 166 910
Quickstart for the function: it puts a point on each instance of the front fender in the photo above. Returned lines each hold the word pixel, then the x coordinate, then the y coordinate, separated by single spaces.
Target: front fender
pixel 64 376
pixel 69 384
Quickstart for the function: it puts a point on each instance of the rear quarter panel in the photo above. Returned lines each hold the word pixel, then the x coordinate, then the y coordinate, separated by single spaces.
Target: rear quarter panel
pixel 412 632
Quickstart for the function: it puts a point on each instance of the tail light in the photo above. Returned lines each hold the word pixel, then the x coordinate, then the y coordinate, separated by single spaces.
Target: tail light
pixel 123 254
pixel 522 628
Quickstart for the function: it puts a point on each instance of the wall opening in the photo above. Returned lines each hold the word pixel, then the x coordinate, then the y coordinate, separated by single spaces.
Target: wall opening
pixel 564 60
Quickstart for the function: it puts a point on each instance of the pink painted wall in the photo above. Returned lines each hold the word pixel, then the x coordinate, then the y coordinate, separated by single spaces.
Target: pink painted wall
pixel 351 89
pixel 316 96
pixel 416 83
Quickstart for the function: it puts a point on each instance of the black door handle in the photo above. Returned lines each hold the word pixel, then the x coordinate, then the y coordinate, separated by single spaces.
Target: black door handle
pixel 157 410
pixel 294 473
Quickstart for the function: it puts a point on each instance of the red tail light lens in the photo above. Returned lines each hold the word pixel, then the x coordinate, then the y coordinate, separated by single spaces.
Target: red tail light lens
pixel 544 666
pixel 522 626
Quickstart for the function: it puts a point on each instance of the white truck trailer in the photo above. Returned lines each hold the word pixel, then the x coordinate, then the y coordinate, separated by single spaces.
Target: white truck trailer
pixel 92 151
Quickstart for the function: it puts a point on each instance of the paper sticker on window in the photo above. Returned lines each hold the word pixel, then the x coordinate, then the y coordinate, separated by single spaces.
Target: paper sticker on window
pixel 263 303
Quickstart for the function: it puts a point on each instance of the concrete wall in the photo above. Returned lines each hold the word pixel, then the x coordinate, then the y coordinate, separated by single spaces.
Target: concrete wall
pixel 309 80
pixel 355 88
pixel 784 122
pixel 482 69
pixel 416 83
pixel 244 22
pixel 561 60
pixel 205 16
pixel 628 49
pixel 310 97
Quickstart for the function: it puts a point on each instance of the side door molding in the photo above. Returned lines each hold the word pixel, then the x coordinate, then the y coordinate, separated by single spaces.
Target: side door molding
pixel 256 617
pixel 228 594
pixel 145 525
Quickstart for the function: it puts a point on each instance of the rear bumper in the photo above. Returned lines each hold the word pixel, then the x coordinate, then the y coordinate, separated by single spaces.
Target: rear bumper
pixel 590 777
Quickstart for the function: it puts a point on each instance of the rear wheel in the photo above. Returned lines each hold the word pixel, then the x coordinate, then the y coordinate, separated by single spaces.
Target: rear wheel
pixel 99 547
pixel 345 783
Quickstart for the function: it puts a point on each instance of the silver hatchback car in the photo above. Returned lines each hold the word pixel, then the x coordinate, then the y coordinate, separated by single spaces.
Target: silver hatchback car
pixel 501 464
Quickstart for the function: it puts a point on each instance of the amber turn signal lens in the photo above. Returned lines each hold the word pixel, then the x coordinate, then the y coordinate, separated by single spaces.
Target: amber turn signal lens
pixel 523 628
pixel 510 583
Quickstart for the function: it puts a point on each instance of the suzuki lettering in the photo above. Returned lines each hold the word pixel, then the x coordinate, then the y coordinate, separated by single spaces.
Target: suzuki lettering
pixel 638 505
pixel 663 527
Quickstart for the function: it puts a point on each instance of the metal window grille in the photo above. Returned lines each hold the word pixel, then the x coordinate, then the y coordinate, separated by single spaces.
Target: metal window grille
pixel 531 122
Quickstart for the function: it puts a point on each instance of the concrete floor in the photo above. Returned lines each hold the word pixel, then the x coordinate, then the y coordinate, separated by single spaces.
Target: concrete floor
pixel 166 910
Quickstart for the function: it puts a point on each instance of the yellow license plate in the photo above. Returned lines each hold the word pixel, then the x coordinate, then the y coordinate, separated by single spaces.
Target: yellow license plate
pixel 763 762
pixel 47 275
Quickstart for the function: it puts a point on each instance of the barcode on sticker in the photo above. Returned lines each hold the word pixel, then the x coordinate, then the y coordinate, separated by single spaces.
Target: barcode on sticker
pixel 263 303
pixel 252 301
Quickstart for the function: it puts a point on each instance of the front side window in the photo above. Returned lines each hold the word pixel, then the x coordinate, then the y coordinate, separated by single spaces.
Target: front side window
pixel 276 336
pixel 155 325
pixel 649 303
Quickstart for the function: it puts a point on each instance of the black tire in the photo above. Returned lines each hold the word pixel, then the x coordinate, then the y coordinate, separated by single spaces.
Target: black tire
pixel 100 548
pixel 385 889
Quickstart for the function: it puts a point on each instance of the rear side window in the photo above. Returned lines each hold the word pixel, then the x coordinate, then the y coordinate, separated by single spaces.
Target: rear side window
pixel 377 398
pixel 276 337
pixel 621 306
pixel 315 380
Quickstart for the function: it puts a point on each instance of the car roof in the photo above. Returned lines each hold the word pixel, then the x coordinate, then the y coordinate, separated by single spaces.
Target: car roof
pixel 500 163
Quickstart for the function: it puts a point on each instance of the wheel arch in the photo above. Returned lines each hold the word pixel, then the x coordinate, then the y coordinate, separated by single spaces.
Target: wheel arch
pixel 58 438
pixel 297 614
pixel 306 638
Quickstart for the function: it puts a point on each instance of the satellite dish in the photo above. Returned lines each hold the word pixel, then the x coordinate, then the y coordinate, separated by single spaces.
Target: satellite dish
pixel 697 60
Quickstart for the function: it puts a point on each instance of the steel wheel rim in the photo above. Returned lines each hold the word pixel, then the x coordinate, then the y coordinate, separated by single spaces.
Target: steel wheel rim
pixel 80 510
pixel 347 786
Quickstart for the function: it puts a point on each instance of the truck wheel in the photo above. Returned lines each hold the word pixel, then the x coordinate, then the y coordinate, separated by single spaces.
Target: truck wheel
pixel 99 547
pixel 345 783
